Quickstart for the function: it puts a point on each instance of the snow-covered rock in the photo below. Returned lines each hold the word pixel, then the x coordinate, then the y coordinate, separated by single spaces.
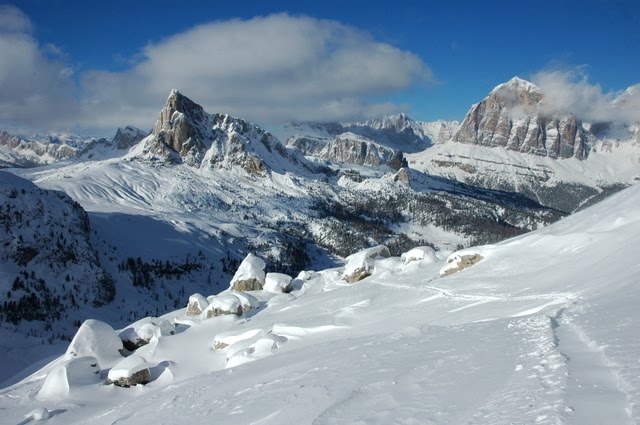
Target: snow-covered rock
pixel 225 339
pixel 422 254
pixel 72 374
pixel 222 305
pixel 247 301
pixel 96 339
pixel 130 371
pixel 38 414
pixel 262 347
pixel 277 283
pixel 250 275
pixel 459 261
pixel 197 304
pixel 141 332
pixel 361 264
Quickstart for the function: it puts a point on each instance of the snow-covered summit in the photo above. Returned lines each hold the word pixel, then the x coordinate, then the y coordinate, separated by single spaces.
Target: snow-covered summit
pixel 518 88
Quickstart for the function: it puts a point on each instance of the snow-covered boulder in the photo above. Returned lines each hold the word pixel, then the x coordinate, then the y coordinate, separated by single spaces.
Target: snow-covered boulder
pixel 197 304
pixel 131 371
pixel 277 283
pixel 71 374
pixel 37 414
pixel 362 263
pixel 141 332
pixel 250 275
pixel 459 261
pixel 96 339
pixel 221 305
pixel 262 347
pixel 247 301
pixel 226 339
pixel 422 254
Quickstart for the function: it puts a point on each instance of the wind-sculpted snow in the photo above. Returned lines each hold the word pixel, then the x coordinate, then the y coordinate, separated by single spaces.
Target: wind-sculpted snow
pixel 542 330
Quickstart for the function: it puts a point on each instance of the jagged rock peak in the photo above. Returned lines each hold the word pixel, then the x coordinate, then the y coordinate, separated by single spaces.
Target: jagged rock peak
pixel 186 133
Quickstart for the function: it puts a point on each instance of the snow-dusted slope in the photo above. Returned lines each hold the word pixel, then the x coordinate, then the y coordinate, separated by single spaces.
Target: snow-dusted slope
pixel 541 330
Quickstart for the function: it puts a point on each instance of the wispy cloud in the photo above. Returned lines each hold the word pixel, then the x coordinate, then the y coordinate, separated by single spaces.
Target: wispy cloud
pixel 569 90
pixel 267 69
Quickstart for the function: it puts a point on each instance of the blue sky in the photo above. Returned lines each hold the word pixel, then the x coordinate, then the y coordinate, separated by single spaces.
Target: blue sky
pixel 431 59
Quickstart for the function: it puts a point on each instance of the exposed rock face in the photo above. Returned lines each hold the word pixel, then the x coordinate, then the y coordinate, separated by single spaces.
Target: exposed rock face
pixel 511 117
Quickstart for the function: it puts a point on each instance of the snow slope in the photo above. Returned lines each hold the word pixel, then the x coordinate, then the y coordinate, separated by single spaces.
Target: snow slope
pixel 543 329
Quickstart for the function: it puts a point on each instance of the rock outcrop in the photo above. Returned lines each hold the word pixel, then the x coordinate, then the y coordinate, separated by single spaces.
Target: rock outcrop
pixel 513 117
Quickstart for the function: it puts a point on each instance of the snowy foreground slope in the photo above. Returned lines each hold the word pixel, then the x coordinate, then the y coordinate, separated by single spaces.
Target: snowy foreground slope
pixel 543 329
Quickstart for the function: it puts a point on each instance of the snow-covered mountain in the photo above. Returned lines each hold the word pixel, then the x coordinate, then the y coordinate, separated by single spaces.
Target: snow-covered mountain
pixel 536 329
pixel 19 151
pixel 177 212
pixel 374 142
pixel 507 142
pixel 511 117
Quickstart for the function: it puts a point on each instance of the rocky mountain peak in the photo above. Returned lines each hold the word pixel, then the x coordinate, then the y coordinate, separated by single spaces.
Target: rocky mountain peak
pixel 186 133
pixel 510 117
pixel 517 92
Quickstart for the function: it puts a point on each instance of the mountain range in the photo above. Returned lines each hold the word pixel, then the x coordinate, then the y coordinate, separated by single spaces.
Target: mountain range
pixel 147 218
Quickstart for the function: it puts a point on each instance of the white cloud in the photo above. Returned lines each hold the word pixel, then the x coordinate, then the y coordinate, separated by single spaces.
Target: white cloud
pixel 266 69
pixel 36 90
pixel 570 91
pixel 12 20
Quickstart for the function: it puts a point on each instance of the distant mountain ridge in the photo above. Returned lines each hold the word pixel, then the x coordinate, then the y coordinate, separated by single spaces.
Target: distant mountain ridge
pixel 43 149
